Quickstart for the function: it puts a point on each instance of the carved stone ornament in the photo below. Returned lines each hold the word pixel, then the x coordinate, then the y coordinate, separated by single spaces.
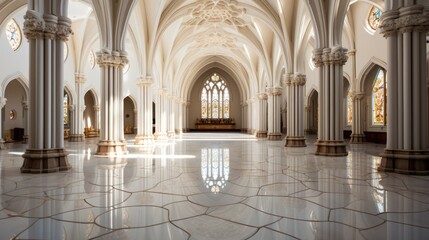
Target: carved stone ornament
pixel 145 81
pixel 338 56
pixel 274 91
pixel 64 29
pixel 112 60
pixel 33 25
pixel 318 57
pixel 2 102
pixel 216 12
pixel 216 39
pixel 262 96
pixel 407 19
pixel 299 80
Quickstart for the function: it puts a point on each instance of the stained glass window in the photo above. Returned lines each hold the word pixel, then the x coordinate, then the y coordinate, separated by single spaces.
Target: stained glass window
pixel 379 99
pixel 215 99
pixel 349 110
pixel 374 18
pixel 13 34
pixel 66 108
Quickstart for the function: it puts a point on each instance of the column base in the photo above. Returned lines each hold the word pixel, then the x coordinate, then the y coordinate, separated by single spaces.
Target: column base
pixel 76 138
pixel 2 146
pixel 260 134
pixel 161 136
pixel 111 148
pixel 24 139
pixel 295 142
pixel 357 138
pixel 171 134
pixel 274 136
pixel 144 140
pixel 45 161
pixel 331 148
pixel 405 162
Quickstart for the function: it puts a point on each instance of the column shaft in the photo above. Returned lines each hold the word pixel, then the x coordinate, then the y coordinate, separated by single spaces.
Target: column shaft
pixel 295 132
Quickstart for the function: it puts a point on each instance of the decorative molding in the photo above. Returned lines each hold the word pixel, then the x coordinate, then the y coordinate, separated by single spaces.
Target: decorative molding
pixel 299 79
pixel 145 81
pixel 327 56
pixel 80 78
pixel 217 12
pixel 46 26
pixel 274 91
pixel 262 96
pixel 111 60
pixel 216 39
pixel 406 19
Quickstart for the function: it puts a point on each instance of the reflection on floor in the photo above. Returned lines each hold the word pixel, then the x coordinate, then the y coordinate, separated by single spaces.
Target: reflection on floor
pixel 212 186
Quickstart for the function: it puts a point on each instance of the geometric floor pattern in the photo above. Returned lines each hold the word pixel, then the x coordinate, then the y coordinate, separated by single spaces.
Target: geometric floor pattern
pixel 212 186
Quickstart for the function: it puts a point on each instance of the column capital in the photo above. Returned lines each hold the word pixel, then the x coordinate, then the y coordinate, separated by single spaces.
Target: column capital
pixel 299 79
pixel 357 95
pixel 114 59
pixel 25 104
pixel 338 55
pixel 33 25
pixel 96 108
pixel 352 52
pixel 2 102
pixel 80 78
pixel 145 81
pixel 405 19
pixel 262 96
pixel 37 25
pixel 274 91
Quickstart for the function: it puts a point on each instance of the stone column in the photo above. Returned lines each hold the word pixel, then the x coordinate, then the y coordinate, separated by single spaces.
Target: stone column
pixel 262 116
pixel 2 104
pixel 181 115
pixel 405 26
pixel 187 116
pixel 112 141
pixel 330 62
pixel 244 117
pixel 76 134
pixel 26 122
pixel 250 120
pixel 274 112
pixel 358 124
pixel 170 116
pixel 295 117
pixel 46 30
pixel 161 119
pixel 144 119
pixel 307 130
pixel 97 119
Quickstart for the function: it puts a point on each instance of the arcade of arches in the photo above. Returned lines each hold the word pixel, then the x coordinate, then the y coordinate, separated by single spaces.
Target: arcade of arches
pixel 292 112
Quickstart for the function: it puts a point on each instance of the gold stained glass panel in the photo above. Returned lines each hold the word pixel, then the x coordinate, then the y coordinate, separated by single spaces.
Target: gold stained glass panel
pixel 65 109
pixel 215 99
pixel 378 99
pixel 349 110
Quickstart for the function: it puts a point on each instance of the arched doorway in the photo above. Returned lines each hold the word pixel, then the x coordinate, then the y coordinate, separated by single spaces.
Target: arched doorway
pixel 89 116
pixel 129 116
pixel 153 117
pixel 313 112
pixel 14 122
pixel 67 101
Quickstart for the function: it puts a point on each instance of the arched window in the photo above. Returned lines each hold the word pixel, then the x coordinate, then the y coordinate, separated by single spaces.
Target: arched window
pixel 215 98
pixel 66 109
pixel 379 93
pixel 13 34
pixel 374 18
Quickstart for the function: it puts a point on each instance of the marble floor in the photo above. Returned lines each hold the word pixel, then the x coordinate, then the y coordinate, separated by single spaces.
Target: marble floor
pixel 212 186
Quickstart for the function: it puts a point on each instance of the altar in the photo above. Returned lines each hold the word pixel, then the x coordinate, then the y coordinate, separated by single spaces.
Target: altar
pixel 215 124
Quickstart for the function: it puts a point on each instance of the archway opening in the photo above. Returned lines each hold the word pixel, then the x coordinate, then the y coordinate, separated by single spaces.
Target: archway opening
pixel 13 112
pixel 313 113
pixel 129 116
pixel 89 116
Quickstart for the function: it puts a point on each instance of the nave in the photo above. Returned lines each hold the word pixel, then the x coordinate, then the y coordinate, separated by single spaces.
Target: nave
pixel 212 186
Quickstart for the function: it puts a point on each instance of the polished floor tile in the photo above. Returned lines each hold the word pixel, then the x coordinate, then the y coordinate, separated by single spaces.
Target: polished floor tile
pixel 212 186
